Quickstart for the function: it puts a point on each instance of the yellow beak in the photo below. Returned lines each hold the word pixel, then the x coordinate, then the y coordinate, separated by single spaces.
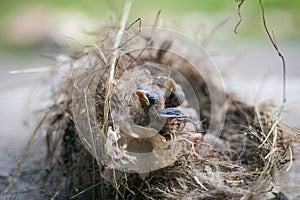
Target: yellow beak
pixel 171 87
pixel 142 95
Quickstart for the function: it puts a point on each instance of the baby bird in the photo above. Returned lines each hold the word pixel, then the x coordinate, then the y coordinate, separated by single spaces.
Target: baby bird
pixel 152 103
pixel 149 98
pixel 161 112
pixel 174 95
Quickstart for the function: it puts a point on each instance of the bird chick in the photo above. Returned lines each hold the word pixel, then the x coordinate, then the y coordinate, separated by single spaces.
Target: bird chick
pixel 149 98
pixel 174 95
pixel 164 118
pixel 152 103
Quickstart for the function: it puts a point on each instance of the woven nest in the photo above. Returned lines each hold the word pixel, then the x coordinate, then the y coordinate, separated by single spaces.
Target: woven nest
pixel 238 161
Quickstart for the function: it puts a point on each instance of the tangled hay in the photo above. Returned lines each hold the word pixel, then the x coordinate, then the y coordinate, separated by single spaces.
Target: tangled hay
pixel 240 164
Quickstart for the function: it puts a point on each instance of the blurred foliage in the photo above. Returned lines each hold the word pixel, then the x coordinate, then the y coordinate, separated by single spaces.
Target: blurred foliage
pixel 100 9
pixel 97 7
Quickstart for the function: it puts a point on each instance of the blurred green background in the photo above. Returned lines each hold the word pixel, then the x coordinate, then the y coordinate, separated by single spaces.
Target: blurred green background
pixel 33 24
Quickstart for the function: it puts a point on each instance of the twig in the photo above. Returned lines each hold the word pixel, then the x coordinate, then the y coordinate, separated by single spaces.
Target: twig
pixel 273 41
pixel 291 159
pixel 85 190
pixel 110 80
pixel 33 70
pixel 149 40
pixel 240 16
pixel 58 191
pixel 270 132
pixel 139 21
pixel 73 39
pixel 271 38
pixel 155 24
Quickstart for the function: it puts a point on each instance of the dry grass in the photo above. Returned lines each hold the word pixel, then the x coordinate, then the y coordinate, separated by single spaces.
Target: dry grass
pixel 255 150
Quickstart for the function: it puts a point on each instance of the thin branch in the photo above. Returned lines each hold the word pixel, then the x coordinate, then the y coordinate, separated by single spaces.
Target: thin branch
pixel 73 39
pixel 291 159
pixel 273 41
pixel 85 190
pixel 139 21
pixel 240 16
pixel 149 40
pixel 270 132
pixel 33 70
pixel 155 24
pixel 110 80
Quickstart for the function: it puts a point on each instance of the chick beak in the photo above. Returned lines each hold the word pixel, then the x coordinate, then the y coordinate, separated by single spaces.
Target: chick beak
pixel 171 87
pixel 142 96
pixel 169 91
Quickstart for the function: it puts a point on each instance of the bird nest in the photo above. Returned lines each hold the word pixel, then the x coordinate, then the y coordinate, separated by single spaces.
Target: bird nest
pixel 148 118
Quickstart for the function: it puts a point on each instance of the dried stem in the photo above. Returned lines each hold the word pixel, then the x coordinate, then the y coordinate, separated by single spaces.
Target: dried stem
pixel 271 38
pixel 273 41
pixel 85 190
pixel 240 16
pixel 291 159
pixel 110 80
